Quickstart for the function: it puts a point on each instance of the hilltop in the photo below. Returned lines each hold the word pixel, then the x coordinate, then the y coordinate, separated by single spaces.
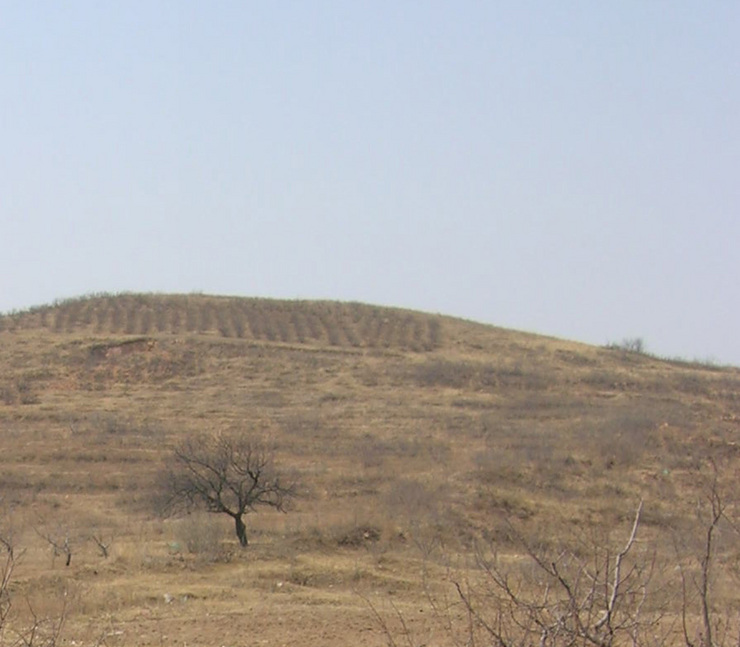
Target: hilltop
pixel 414 437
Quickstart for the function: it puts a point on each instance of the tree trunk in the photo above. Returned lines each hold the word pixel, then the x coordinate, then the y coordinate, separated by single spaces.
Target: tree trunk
pixel 241 530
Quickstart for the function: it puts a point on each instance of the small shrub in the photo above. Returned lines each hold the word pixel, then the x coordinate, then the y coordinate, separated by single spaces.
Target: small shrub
pixel 20 392
pixel 201 536
pixel 191 319
pixel 629 345
pixel 59 320
pixel 26 393
pixel 358 536
pixel 445 373
pixel 8 395
pixel 254 321
pixel 237 322
pixel 206 318
pixel 146 322
pixel 131 319
pixel 435 334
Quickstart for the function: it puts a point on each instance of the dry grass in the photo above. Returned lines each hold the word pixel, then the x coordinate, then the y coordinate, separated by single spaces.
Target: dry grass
pixel 415 436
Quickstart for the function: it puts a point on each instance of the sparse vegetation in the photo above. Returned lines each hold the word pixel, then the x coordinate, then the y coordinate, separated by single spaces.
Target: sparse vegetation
pixel 629 344
pixel 417 438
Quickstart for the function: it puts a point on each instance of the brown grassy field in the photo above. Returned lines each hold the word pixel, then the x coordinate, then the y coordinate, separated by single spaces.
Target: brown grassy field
pixel 415 438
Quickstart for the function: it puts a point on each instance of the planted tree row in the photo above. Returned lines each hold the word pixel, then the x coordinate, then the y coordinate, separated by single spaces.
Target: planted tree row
pixel 294 322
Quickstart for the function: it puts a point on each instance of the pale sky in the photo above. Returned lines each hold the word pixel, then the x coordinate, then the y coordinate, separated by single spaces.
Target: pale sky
pixel 566 168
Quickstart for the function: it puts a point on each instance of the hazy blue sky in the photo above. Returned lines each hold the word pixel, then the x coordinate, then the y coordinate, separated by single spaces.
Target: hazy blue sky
pixel 568 168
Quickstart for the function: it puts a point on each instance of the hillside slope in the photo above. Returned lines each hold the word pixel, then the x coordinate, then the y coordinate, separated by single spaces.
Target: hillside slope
pixel 412 434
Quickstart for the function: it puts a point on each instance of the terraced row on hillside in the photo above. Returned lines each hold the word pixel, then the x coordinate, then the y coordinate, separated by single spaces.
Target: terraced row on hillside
pixel 303 322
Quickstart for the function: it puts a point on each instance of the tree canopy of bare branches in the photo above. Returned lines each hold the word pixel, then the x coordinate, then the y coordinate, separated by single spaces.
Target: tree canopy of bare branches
pixel 226 474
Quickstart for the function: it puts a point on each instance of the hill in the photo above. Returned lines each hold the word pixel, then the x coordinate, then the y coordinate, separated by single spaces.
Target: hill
pixel 414 437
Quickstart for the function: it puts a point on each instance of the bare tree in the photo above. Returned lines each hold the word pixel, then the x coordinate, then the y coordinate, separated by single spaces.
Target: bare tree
pixel 226 474
pixel 102 542
pixel 60 542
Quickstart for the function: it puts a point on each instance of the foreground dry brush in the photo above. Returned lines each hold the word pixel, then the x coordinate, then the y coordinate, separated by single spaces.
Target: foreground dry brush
pixel 593 592
pixel 20 624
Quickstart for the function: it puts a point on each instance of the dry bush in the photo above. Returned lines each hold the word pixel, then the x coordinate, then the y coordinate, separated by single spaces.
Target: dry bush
pixel 313 323
pixel 435 334
pixel 237 321
pixel 386 331
pixel 410 501
pixel 8 394
pixel 132 316
pixel 482 376
pixel 147 322
pixel 21 391
pixel 202 536
pixel 117 424
pixel 206 317
pixel 362 527
pixel 602 378
pixel 160 316
pixel 223 324
pixel 284 328
pixel 421 512
pixel 520 455
pixel 59 317
pixel 438 372
pixel 116 317
pixel 373 451
pixel 351 336
pixel 623 437
pixel 191 318
pixel 297 320
pixel 175 320
pixel 369 328
pixel 332 329
pixel 357 535
pixel 254 321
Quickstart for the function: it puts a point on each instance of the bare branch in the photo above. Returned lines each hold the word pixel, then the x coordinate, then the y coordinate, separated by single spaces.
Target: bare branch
pixel 606 619
pixel 101 543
